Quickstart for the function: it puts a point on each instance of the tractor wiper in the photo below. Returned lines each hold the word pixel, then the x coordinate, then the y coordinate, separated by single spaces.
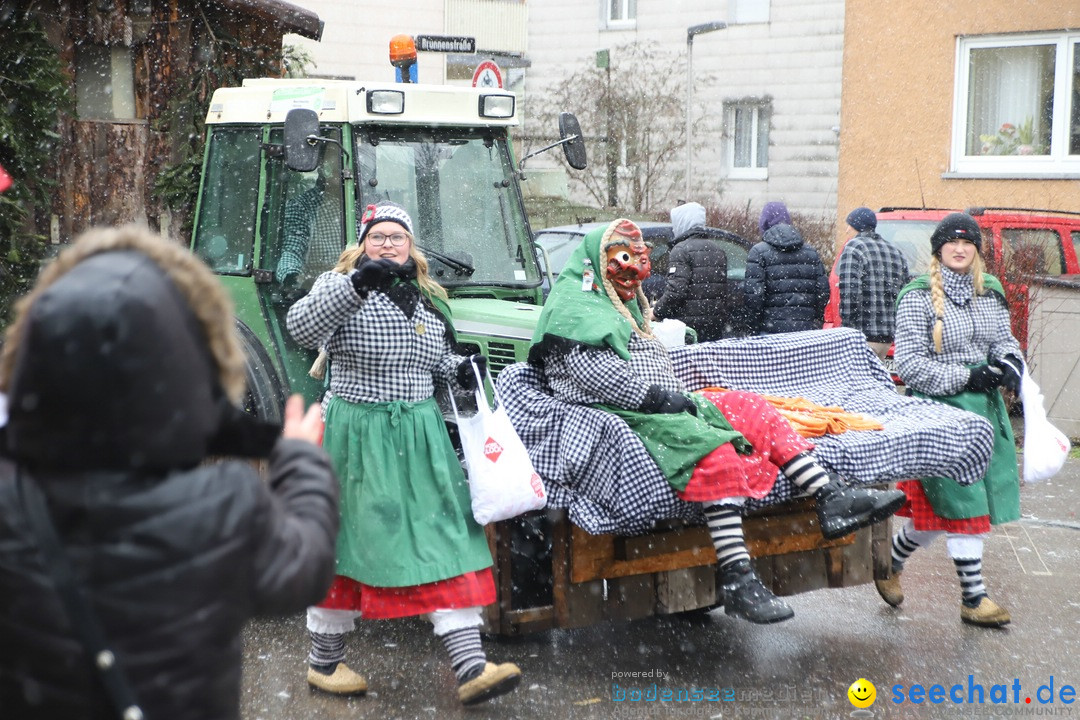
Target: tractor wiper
pixel 460 266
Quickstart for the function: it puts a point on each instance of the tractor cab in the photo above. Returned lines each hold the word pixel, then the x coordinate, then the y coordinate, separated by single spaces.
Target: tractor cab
pixel 290 166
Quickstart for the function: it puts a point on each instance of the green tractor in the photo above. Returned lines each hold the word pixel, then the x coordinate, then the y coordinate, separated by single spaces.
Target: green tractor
pixel 288 169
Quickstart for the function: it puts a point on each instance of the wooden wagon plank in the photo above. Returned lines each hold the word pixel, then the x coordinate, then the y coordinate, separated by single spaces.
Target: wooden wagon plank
pixel 605 556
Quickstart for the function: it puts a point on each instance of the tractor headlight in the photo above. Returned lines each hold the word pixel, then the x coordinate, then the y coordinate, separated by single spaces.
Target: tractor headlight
pixel 385 102
pixel 497 106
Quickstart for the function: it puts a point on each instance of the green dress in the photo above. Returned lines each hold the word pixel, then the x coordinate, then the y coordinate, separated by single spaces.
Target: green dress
pixel 998 493
pixel 405 507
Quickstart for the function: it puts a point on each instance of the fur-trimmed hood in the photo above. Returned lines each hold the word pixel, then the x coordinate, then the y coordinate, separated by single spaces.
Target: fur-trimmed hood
pixel 124 356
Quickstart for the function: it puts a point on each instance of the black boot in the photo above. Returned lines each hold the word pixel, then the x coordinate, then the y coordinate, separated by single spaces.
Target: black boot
pixel 842 510
pixel 746 597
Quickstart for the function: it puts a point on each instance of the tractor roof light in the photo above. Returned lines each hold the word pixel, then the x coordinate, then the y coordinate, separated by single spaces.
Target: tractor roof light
pixel 497 106
pixel 385 102
pixel 402 50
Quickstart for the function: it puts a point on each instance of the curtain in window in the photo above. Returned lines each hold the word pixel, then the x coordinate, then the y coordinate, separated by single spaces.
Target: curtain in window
pixel 1010 100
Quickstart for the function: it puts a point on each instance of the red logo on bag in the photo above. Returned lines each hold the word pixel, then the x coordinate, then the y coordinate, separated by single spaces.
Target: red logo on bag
pixel 492 449
pixel 537 486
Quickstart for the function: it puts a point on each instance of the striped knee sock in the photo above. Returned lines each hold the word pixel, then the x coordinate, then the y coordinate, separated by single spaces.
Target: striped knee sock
pixel 902 547
pixel 725 528
pixel 805 473
pixel 326 651
pixel 466 656
pixel 972 589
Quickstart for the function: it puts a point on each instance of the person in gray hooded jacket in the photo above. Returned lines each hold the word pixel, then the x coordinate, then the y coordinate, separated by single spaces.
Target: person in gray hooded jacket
pixel 786 285
pixel 696 290
pixel 122 370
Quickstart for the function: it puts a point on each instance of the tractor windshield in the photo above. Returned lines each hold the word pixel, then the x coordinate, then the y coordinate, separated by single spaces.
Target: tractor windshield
pixel 459 188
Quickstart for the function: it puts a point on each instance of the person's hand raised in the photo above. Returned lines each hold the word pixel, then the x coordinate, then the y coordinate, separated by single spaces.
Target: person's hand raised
pixel 374 275
pixel 300 425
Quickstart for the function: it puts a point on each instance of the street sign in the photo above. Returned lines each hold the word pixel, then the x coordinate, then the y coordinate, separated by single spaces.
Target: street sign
pixel 446 43
pixel 487 75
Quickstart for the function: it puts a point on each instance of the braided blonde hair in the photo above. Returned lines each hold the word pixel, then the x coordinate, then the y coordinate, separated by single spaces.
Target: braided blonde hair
pixel 620 306
pixel 937 294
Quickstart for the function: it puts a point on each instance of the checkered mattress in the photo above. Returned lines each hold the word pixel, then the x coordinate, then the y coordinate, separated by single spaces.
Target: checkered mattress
pixel 597 469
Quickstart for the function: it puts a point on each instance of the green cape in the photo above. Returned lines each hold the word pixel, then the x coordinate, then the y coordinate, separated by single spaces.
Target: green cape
pixel 923 283
pixel 677 442
pixel 584 316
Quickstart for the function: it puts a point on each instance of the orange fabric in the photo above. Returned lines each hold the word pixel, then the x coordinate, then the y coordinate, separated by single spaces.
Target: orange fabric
pixel 812 420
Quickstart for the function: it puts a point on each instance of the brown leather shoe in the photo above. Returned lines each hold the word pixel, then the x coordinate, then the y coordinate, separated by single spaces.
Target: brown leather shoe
pixel 343 681
pixel 890 590
pixel 986 614
pixel 494 681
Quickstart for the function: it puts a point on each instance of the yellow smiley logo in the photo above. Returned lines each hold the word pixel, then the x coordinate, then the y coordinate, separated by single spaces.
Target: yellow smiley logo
pixel 862 693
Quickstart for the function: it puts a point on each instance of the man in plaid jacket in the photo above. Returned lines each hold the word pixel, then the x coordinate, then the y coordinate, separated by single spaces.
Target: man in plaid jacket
pixel 872 270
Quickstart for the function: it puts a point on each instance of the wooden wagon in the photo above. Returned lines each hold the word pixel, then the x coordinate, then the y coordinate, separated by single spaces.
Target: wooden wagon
pixel 552 573
pixel 581 579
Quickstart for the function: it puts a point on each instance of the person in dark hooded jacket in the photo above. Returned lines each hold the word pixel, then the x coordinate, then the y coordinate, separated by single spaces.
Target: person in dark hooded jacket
pixel 786 285
pixel 696 290
pixel 122 371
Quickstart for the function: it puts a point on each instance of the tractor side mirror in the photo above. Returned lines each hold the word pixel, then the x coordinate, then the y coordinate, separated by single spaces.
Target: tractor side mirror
pixel 573 141
pixel 301 146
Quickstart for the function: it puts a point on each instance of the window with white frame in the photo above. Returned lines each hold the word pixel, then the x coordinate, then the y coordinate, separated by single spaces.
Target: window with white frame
pixel 620 13
pixel 746 137
pixel 748 11
pixel 1017 110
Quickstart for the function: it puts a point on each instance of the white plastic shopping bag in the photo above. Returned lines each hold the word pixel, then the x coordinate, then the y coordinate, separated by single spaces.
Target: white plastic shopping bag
pixel 1045 447
pixel 502 480
pixel 670 332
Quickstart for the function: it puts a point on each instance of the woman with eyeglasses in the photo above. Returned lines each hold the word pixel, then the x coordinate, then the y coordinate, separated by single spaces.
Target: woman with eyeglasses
pixel 408 544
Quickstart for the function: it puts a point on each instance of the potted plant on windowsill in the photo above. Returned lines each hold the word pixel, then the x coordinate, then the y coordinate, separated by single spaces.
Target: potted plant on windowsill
pixel 1012 140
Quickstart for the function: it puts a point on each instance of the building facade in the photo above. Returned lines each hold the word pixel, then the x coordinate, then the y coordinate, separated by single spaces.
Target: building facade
pixel 768 85
pixel 980 107
pixel 141 74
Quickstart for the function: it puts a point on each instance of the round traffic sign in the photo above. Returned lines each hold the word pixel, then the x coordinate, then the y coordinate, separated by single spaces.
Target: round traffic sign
pixel 487 75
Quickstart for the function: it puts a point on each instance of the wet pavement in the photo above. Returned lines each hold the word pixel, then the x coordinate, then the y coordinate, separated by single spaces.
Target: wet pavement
pixel 726 668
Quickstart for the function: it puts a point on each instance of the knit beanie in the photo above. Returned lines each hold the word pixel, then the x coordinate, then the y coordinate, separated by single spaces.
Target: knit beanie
pixel 862 218
pixel 956 226
pixel 385 211
pixel 774 213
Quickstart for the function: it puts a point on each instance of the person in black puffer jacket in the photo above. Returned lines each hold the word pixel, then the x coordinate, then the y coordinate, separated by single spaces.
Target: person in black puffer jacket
pixel 122 371
pixel 786 285
pixel 696 290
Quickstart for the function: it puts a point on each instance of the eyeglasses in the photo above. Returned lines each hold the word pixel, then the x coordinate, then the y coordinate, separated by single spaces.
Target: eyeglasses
pixel 378 239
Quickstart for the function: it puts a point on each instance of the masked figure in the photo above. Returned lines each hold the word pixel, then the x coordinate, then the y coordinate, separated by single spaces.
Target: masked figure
pixel 595 346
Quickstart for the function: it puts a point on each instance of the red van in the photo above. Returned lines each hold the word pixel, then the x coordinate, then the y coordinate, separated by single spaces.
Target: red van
pixel 1017 243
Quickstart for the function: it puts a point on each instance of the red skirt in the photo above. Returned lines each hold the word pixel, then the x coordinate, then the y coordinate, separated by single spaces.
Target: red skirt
pixel 374 603
pixel 918 508
pixel 724 473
